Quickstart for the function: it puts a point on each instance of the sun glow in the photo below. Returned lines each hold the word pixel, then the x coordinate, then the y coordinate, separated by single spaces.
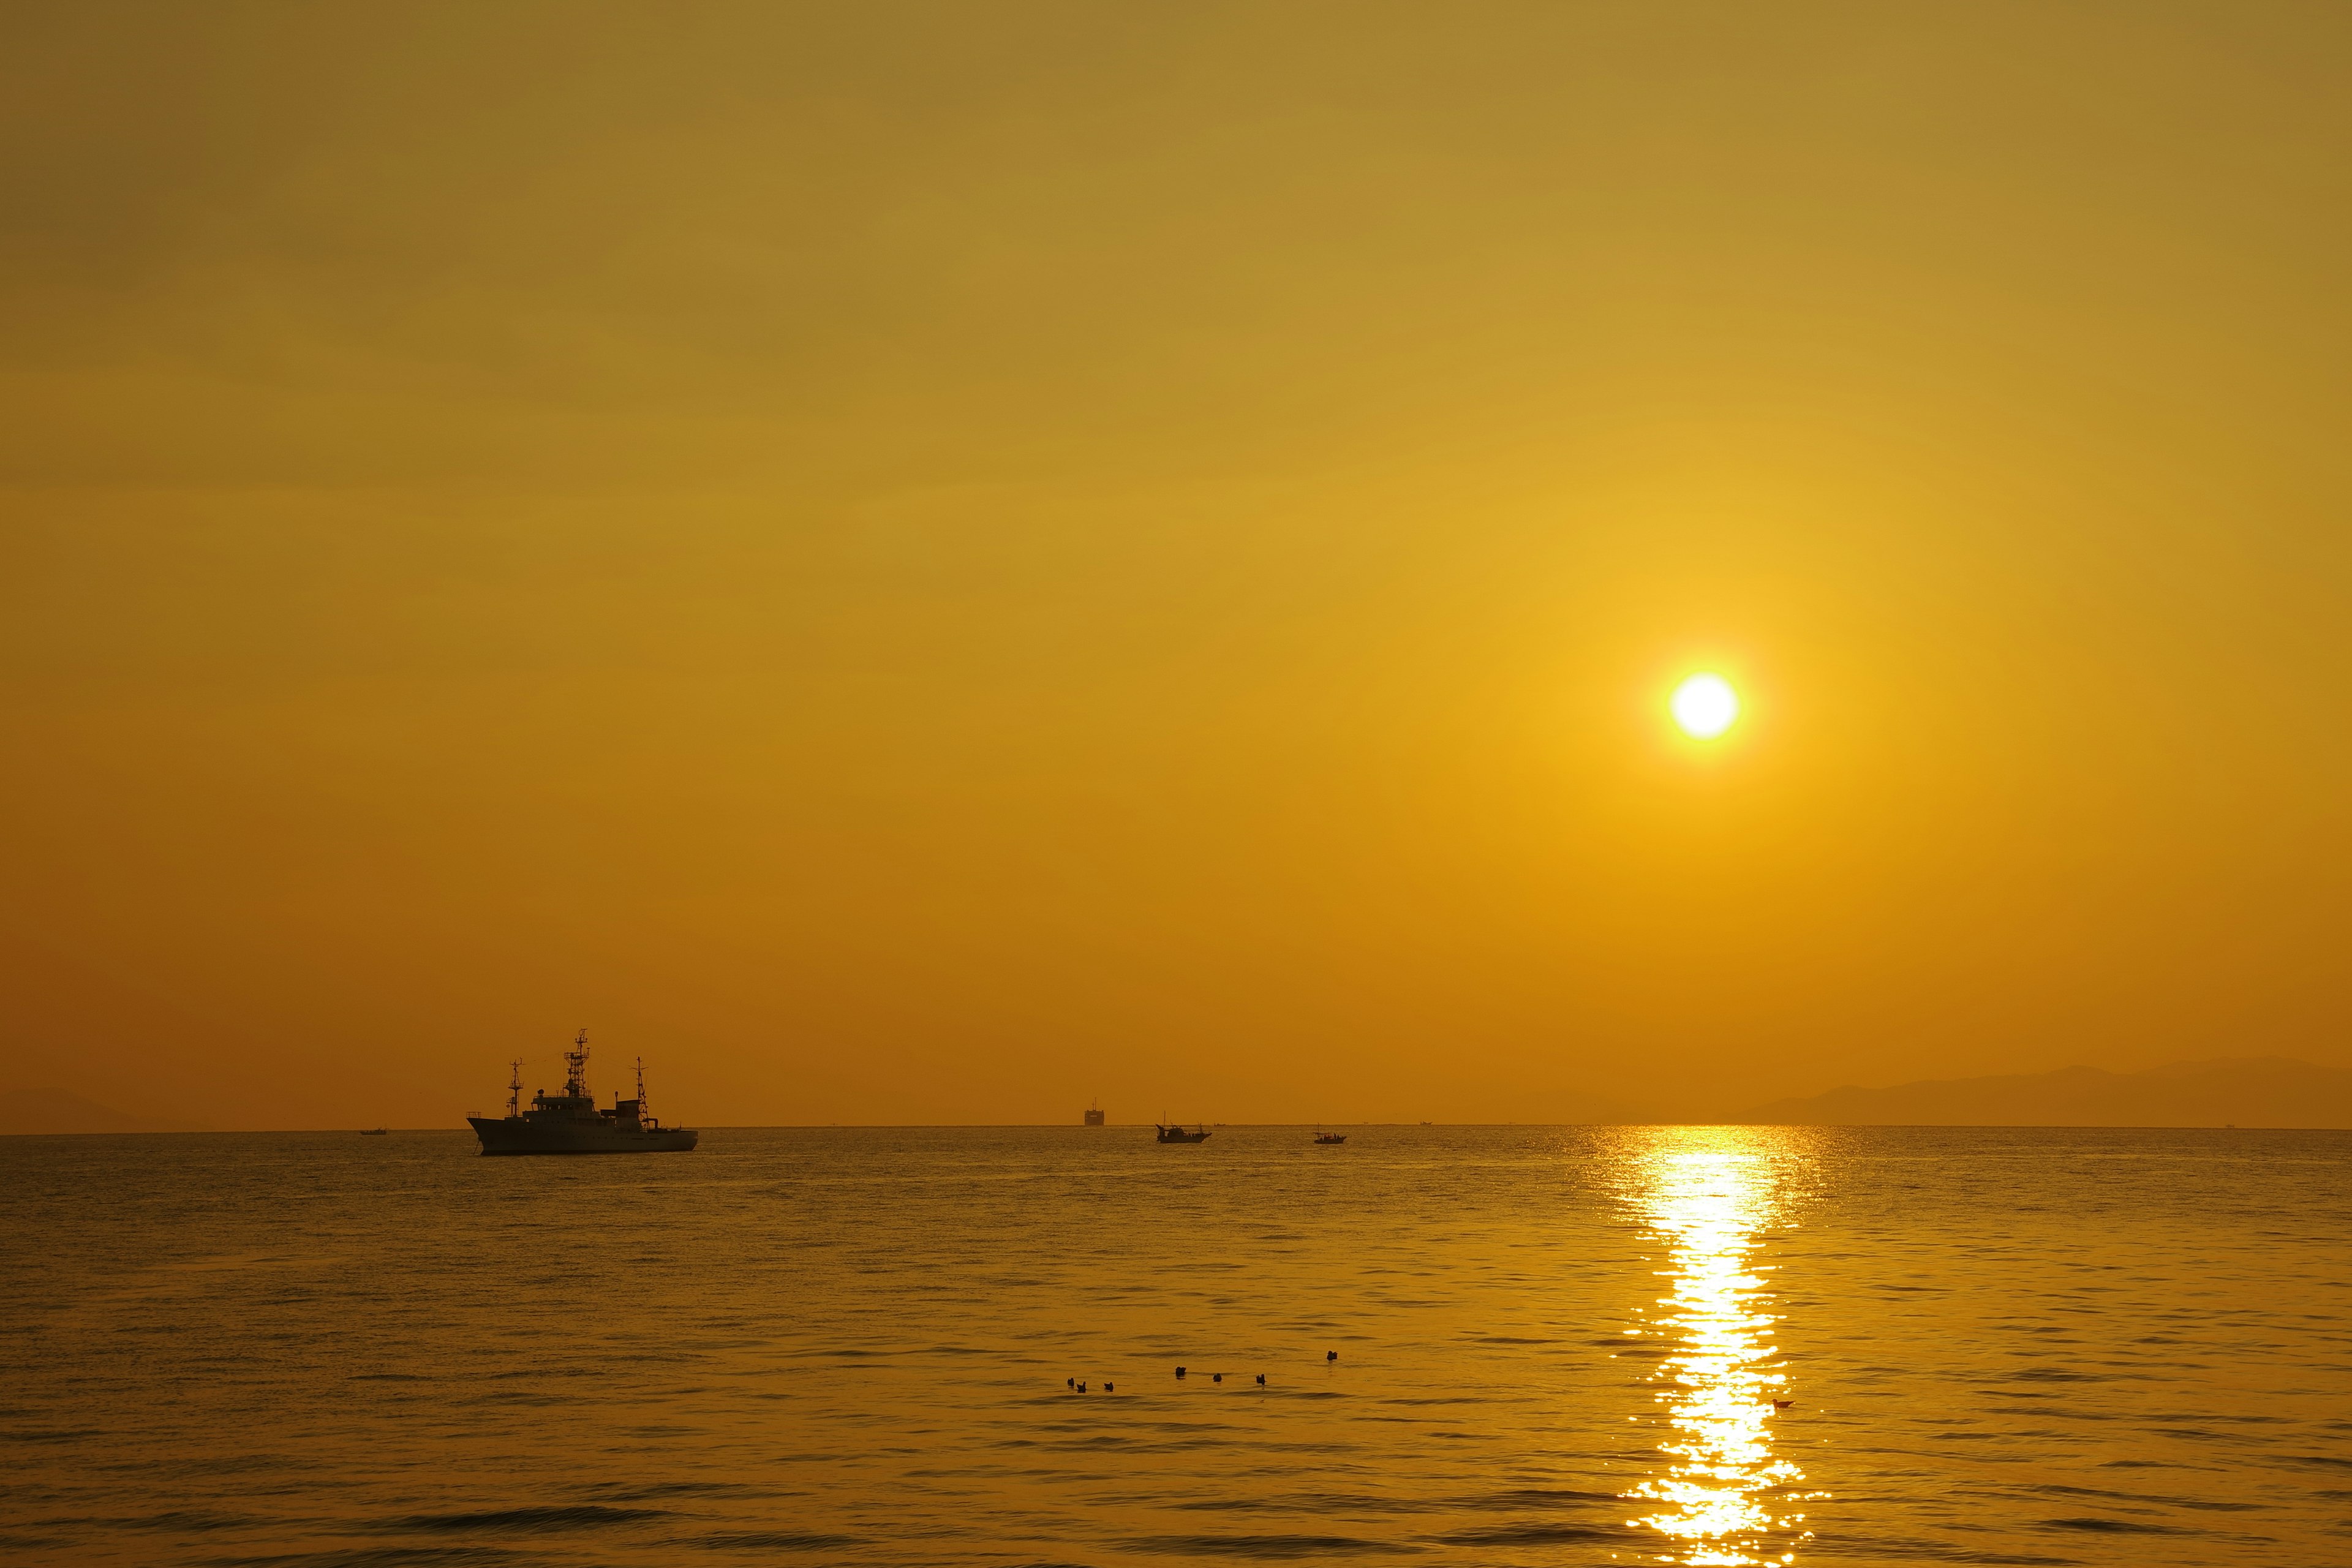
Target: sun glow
pixel 1704 706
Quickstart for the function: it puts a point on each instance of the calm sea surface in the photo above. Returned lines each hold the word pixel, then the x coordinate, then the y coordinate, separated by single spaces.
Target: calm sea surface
pixel 1555 1346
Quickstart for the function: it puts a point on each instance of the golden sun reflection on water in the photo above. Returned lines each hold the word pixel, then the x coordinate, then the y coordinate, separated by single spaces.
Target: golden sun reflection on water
pixel 1723 1497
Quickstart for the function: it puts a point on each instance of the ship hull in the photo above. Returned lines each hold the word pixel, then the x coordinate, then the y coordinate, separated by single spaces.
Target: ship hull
pixel 525 1135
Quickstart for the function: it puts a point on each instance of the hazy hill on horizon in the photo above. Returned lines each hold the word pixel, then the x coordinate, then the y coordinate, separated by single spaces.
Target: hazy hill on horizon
pixel 2244 1091
pixel 57 1111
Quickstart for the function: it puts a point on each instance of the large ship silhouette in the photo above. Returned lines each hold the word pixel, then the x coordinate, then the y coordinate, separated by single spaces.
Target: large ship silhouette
pixel 570 1124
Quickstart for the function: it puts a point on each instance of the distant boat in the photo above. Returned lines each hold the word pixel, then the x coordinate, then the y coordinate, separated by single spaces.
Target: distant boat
pixel 373 1131
pixel 1173 1134
pixel 1094 1115
pixel 1323 1137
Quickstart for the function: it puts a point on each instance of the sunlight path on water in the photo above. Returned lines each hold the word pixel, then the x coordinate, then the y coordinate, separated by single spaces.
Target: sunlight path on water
pixel 1723 1497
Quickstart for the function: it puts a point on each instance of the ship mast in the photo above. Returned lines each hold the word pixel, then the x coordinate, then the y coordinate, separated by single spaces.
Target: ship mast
pixel 514 1090
pixel 575 1064
pixel 641 1089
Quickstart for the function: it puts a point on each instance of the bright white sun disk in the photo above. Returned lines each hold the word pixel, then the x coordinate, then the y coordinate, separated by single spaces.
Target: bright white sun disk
pixel 1704 706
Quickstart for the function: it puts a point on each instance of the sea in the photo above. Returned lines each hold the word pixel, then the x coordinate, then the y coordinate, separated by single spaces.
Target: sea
pixel 1490 1346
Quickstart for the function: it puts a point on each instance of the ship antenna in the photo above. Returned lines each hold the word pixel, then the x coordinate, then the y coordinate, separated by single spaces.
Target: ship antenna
pixel 514 1089
pixel 576 1059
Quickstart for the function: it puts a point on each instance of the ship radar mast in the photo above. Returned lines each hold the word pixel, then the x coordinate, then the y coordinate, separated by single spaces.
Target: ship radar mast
pixel 641 1089
pixel 514 1090
pixel 575 1068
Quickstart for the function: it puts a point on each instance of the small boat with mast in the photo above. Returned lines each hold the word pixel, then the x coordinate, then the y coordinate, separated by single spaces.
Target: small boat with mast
pixel 570 1124
pixel 1323 1137
pixel 1172 1133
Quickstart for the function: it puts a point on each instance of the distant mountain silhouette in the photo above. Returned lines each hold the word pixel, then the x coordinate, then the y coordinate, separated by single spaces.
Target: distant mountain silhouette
pixel 55 1110
pixel 2246 1092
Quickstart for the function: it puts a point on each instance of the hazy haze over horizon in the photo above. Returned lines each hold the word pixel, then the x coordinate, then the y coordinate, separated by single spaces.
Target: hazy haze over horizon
pixel 916 564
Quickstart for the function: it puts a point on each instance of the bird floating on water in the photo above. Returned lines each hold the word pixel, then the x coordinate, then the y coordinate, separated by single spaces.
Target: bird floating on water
pixel 1330 1356
pixel 1261 1380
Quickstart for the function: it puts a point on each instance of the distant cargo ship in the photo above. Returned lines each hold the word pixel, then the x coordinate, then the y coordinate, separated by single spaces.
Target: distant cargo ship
pixel 1094 1115
pixel 570 1124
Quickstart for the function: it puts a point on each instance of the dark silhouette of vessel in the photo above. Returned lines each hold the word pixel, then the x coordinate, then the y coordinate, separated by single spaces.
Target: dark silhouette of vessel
pixel 1323 1137
pixel 570 1124
pixel 1094 1115
pixel 1174 1134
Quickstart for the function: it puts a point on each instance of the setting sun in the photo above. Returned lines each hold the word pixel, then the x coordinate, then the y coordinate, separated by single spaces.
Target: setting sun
pixel 1704 706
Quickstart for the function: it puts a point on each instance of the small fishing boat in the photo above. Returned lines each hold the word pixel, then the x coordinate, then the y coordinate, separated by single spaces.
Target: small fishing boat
pixel 1323 1137
pixel 1173 1134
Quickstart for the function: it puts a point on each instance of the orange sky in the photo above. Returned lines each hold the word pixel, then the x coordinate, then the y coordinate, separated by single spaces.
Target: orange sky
pixel 920 563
